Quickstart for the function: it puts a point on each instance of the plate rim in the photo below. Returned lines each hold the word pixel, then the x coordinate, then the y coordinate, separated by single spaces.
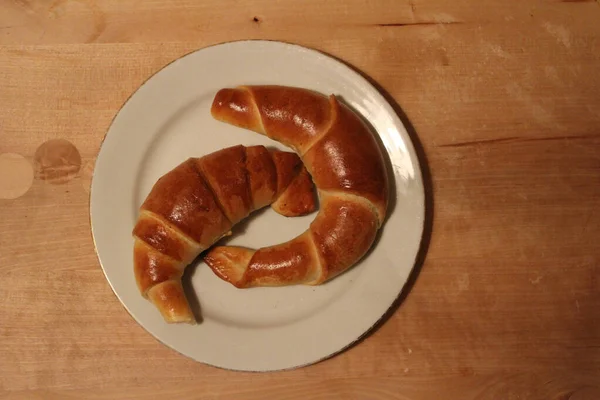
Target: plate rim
pixel 412 150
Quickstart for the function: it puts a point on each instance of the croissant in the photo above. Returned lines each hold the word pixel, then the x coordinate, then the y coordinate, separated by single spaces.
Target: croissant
pixel 198 202
pixel 347 166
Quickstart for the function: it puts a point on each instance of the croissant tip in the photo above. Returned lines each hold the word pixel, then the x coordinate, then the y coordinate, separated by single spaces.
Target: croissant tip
pixel 219 100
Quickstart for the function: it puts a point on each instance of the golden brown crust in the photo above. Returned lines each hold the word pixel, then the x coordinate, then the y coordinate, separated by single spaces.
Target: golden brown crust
pixel 284 264
pixel 230 263
pixel 262 175
pixel 347 166
pixel 225 172
pixel 295 117
pixel 170 300
pixel 343 232
pixel 195 204
pixel 152 267
pixel 287 165
pixel 298 198
pixel 184 200
pixel 348 159
pixel 157 235
pixel 238 106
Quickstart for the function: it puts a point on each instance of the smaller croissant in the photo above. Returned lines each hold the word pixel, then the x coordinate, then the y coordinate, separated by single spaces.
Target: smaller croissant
pixel 198 202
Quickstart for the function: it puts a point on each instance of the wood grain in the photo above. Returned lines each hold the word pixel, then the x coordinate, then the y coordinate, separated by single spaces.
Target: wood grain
pixel 504 100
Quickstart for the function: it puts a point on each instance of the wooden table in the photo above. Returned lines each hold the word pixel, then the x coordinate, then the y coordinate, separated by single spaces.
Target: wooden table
pixel 504 98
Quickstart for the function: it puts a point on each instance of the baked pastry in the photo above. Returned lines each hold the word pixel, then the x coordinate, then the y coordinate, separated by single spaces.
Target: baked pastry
pixel 198 202
pixel 347 166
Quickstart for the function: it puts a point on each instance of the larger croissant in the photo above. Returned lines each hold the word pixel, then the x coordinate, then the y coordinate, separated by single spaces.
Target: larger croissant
pixel 197 203
pixel 347 166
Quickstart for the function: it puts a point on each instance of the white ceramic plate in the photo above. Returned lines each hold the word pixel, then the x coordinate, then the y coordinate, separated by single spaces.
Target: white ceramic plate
pixel 259 329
